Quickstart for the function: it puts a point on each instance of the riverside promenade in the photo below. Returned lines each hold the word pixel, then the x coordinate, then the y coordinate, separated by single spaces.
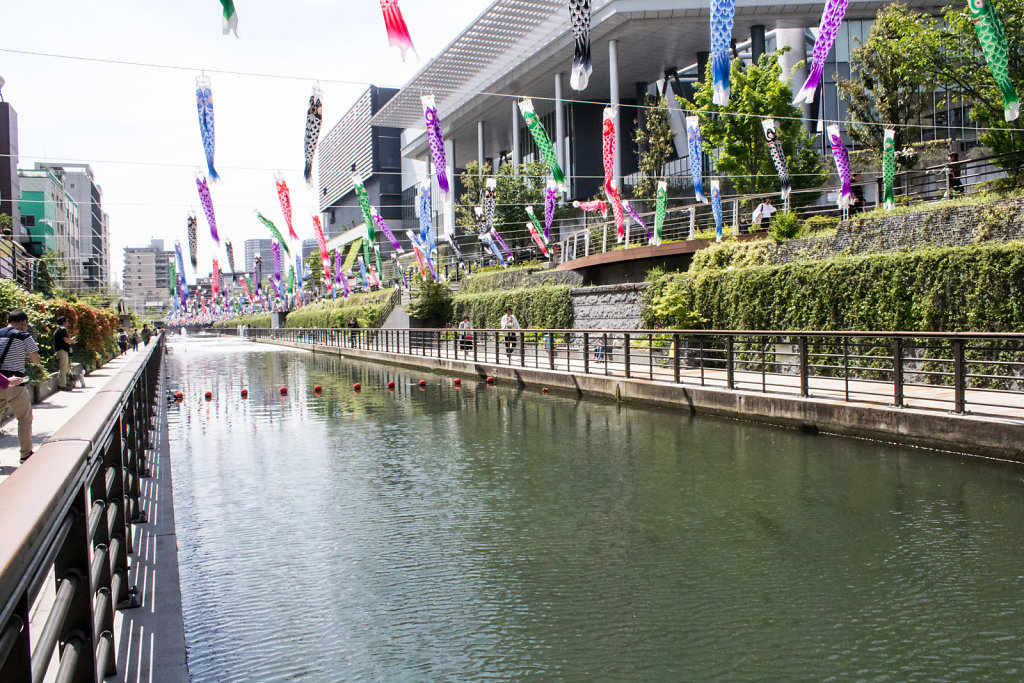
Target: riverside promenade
pixel 149 638
pixel 928 402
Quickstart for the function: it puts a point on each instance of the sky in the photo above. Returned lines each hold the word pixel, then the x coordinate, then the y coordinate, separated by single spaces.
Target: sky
pixel 138 128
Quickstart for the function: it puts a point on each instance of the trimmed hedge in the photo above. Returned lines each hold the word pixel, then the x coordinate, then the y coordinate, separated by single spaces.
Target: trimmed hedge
pixel 546 307
pixel 366 308
pixel 258 321
pixel 976 288
pixel 517 278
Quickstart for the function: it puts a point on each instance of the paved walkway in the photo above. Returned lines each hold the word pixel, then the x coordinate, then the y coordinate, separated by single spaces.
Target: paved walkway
pixel 50 415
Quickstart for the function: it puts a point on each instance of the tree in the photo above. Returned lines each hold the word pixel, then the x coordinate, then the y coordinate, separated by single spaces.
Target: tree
pixel 316 272
pixel 738 137
pixel 515 191
pixel 657 144
pixel 888 83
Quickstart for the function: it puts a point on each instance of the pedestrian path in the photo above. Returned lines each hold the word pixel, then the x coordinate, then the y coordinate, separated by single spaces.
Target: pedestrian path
pixel 53 413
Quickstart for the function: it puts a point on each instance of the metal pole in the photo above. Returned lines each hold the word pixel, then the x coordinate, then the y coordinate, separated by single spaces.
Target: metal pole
pixel 480 146
pixel 960 377
pixel 516 157
pixel 560 125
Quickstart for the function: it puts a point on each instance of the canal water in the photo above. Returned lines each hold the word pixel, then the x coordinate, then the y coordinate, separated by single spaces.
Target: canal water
pixel 480 532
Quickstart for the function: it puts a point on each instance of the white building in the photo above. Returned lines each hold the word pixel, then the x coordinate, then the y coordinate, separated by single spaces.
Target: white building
pixel 147 278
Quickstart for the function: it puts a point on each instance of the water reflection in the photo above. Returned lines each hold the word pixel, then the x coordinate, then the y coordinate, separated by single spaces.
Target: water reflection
pixel 492 531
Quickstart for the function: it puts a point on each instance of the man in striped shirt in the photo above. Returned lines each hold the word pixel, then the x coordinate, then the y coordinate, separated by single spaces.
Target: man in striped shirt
pixel 16 347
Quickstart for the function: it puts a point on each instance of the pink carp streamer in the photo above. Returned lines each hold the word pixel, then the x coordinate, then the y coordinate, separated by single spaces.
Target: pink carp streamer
pixel 436 137
pixel 325 256
pixel 398 32
pixel 215 278
pixel 207 201
pixel 831 20
pixel 842 159
pixel 620 216
pixel 285 197
pixel 550 203
pixel 591 207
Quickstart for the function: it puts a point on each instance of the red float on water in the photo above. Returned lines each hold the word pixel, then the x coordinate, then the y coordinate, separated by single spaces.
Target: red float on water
pixel 179 397
pixel 245 393
pixel 357 386
pixel 391 385
pixel 209 395
pixel 458 381
pixel 544 390
pixel 490 380
pixel 318 388
pixel 284 391
pixel 423 382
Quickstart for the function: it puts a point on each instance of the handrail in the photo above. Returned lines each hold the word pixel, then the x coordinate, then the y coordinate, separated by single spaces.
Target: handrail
pixel 49 523
pixel 958 372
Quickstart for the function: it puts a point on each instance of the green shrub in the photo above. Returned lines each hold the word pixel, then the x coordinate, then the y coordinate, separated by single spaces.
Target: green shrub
pixel 515 278
pixel 260 320
pixel 431 301
pixel 973 288
pixel 816 224
pixel 731 254
pixel 545 307
pixel 784 226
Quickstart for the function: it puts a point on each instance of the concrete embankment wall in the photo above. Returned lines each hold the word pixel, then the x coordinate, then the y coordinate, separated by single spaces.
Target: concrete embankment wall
pixel 930 429
pixel 609 307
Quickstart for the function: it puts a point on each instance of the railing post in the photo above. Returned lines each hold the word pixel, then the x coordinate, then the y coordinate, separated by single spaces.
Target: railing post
pixel 730 368
pixel 497 349
pixel 522 349
pixel 897 371
pixel 960 377
pixel 625 352
pixel 586 353
pixel 675 357
pixel 805 371
pixel 551 350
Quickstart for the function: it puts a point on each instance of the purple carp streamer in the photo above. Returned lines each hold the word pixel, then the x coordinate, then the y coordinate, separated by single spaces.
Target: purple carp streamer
pixel 889 169
pixel 716 207
pixel 582 66
pixel 696 151
pixel 274 231
pixel 842 159
pixel 339 274
pixel 314 121
pixel 231 259
pixel 771 134
pixel 996 49
pixel 543 142
pixel 383 227
pixel 436 138
pixel 722 14
pixel 204 104
pixel 497 238
pixel 193 241
pixel 278 263
pixel 636 217
pixel 828 29
pixel 207 201
pixel 550 204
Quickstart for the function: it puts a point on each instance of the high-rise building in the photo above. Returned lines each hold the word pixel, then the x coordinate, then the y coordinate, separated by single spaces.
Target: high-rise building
pixel 94 234
pixel 51 221
pixel 261 248
pixel 147 277
pixel 9 189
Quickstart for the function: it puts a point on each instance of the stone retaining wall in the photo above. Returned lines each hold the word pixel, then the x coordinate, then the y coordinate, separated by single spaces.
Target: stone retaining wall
pixel 610 307
pixel 950 227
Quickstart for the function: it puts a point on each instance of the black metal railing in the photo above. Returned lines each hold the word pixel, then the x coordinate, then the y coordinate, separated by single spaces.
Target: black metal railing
pixel 959 373
pixel 68 513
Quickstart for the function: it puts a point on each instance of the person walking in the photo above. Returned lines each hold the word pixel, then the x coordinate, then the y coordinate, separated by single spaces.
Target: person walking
pixel 62 342
pixel 16 347
pixel 510 322
pixel 122 341
pixel 465 336
pixel 147 334
pixel 135 340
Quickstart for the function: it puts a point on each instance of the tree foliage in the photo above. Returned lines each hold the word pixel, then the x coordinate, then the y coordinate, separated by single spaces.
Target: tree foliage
pixel 657 146
pixel 515 192
pixel 888 86
pixel 738 138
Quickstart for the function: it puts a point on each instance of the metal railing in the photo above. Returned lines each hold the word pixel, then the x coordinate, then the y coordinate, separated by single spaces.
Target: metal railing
pixel 959 373
pixel 68 513
pixel 694 220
